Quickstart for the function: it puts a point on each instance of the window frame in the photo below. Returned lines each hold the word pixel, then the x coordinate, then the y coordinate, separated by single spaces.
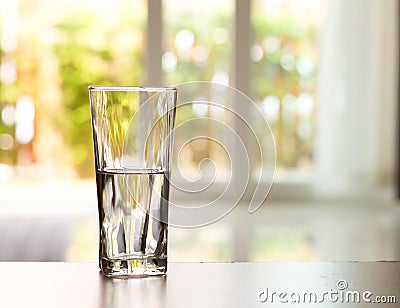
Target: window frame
pixel 298 186
pixel 282 189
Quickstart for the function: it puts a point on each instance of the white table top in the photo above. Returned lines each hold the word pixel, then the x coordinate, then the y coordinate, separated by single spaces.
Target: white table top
pixel 201 285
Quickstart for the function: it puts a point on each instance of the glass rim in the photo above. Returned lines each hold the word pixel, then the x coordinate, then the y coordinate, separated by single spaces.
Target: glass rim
pixel 132 88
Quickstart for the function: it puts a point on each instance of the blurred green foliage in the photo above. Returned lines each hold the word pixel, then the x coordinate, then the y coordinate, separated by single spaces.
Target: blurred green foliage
pixel 297 41
pixel 91 53
pixel 94 51
pixel 194 65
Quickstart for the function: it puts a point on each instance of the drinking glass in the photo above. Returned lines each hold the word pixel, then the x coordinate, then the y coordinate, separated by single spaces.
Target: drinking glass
pixel 132 136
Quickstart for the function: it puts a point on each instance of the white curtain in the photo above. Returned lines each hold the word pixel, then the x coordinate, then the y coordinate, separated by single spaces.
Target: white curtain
pixel 356 130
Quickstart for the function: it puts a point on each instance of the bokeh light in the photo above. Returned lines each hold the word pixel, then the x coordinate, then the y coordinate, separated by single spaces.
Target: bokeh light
pixel 184 40
pixel 271 106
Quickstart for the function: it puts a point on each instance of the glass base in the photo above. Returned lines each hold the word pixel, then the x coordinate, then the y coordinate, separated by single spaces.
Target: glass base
pixel 133 268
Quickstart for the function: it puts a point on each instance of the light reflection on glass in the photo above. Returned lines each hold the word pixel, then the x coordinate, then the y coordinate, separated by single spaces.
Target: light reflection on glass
pixel 271 44
pixel 289 108
pixel 221 78
pixel 305 130
pixel 24 118
pixel 288 62
pixel 8 115
pixel 169 62
pixel 256 53
pixel 220 35
pixel 305 104
pixel 200 109
pixel 304 66
pixel 9 42
pixel 271 106
pixel 184 40
pixel 6 142
pixel 8 72
pixel 307 83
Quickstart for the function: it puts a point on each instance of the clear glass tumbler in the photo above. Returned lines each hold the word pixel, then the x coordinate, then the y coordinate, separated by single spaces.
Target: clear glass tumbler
pixel 132 136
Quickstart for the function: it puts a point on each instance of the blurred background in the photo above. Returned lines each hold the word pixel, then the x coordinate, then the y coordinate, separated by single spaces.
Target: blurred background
pixel 324 73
